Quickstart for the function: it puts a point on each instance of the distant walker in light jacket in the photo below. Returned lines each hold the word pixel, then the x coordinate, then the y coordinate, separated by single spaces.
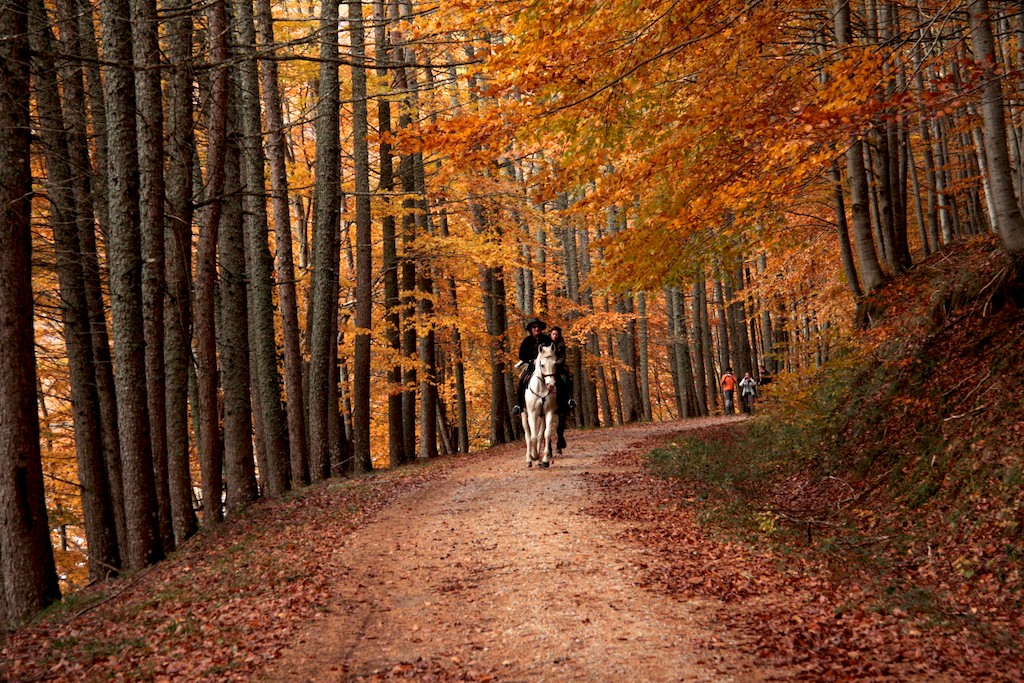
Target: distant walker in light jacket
pixel 748 392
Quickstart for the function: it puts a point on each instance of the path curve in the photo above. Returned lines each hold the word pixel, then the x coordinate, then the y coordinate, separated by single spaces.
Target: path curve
pixel 496 572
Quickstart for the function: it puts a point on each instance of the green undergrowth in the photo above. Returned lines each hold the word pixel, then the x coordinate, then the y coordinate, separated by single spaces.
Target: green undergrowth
pixel 899 464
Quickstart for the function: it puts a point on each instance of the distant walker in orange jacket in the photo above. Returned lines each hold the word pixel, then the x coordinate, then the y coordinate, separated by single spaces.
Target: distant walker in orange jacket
pixel 729 389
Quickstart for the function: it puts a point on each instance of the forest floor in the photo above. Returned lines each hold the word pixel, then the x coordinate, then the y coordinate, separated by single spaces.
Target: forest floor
pixel 479 569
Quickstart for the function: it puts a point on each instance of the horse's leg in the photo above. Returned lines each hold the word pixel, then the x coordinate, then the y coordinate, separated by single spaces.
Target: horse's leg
pixel 549 424
pixel 538 436
pixel 561 431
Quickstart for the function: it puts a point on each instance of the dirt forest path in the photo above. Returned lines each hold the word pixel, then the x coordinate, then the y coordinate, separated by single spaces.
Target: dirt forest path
pixel 497 572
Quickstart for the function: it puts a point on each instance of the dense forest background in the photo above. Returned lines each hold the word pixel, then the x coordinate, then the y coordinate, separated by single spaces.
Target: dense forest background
pixel 250 246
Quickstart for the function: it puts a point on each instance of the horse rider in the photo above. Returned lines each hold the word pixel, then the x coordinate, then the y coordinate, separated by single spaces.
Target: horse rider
pixel 527 354
pixel 563 380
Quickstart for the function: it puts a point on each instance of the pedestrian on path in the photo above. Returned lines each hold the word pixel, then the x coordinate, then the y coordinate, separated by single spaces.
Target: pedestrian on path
pixel 729 391
pixel 748 393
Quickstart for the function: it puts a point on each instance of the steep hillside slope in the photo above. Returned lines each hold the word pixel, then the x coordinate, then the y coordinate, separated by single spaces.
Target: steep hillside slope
pixel 901 462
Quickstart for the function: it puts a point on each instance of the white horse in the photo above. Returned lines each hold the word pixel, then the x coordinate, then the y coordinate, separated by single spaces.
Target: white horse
pixel 540 415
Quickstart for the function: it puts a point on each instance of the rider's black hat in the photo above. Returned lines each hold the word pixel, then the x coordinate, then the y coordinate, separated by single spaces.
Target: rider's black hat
pixel 535 321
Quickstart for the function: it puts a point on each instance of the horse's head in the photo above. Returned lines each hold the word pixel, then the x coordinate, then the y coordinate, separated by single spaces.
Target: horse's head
pixel 545 364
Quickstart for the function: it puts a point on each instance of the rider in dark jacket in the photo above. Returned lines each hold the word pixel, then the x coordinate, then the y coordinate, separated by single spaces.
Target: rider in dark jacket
pixel 527 354
pixel 564 377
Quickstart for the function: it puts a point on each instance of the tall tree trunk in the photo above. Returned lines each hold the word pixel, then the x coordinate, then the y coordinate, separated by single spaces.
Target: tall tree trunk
pixel 499 400
pixel 460 370
pixel 262 338
pixel 407 268
pixel 864 247
pixel 178 251
pixel 27 568
pixel 326 225
pixel 642 343
pixel 672 349
pixel 427 342
pixel 396 439
pixel 725 359
pixel 685 365
pixel 298 446
pixel 710 376
pixel 842 228
pixel 364 244
pixel 700 385
pixel 90 191
pixel 152 204
pixel 584 379
pixel 233 340
pixel 540 276
pixel 125 255
pixel 932 232
pixel 83 10
pixel 407 271
pixel 512 428
pixel 1008 217
pixel 98 513
pixel 210 453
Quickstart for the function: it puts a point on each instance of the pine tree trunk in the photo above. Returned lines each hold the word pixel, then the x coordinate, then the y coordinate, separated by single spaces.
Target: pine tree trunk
pixel 407 271
pixel 98 513
pixel 338 442
pixel 27 570
pixel 210 454
pixel 427 350
pixel 407 265
pixel 262 340
pixel 152 203
pixel 298 446
pixel 125 256
pixel 233 340
pixel 512 428
pixel 584 379
pixel 178 251
pixel 326 225
pixel 89 52
pixel 90 191
pixel 396 439
pixel 364 244
pixel 460 370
